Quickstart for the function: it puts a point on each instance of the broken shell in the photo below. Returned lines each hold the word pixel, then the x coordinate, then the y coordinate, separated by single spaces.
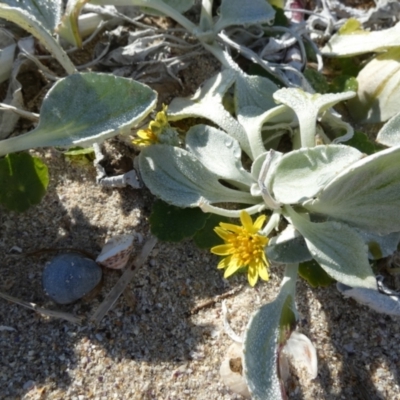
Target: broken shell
pixel 116 252
pixel 231 371
pixel 69 277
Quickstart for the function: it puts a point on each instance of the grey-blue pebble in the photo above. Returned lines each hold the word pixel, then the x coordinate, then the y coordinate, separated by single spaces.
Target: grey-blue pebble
pixel 68 277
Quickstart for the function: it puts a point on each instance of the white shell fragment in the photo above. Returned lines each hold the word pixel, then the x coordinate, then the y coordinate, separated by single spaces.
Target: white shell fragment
pixel 302 353
pixel 230 371
pixel 116 252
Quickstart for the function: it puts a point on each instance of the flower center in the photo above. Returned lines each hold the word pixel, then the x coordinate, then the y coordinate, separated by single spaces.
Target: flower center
pixel 248 247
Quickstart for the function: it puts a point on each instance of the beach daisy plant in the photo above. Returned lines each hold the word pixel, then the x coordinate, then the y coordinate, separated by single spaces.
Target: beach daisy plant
pixel 323 200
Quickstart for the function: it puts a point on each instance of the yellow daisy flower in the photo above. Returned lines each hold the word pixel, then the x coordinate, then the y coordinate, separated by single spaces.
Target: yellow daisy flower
pixel 243 247
pixel 151 135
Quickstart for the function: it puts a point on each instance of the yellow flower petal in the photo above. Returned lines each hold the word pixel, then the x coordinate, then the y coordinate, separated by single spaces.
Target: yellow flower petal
pixel 224 263
pixel 263 272
pixel 246 221
pixel 231 227
pixel 222 250
pixel 259 222
pixel 232 268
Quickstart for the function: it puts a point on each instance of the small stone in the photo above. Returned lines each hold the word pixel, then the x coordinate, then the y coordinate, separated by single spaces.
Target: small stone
pixel 69 277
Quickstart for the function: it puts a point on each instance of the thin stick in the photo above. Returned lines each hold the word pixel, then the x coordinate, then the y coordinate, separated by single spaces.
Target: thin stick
pixel 123 282
pixel 211 302
pixel 50 313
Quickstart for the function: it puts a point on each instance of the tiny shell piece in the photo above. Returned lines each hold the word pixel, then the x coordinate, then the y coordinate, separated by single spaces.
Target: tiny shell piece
pixel 231 373
pixel 116 252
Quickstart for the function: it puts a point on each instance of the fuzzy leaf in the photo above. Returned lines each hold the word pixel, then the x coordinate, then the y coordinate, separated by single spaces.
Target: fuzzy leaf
pixel 178 177
pixel 352 40
pixel 378 92
pixel 338 249
pixel 237 12
pixel 83 109
pixel 301 174
pixel 23 181
pixel 265 331
pixel 173 224
pixel 389 135
pixel 288 247
pixel 308 107
pixel 46 12
pixel 366 194
pixel 379 302
pixel 218 152
pixel 39 19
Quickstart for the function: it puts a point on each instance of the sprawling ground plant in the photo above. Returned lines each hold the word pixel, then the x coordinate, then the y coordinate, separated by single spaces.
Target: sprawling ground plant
pixel 276 158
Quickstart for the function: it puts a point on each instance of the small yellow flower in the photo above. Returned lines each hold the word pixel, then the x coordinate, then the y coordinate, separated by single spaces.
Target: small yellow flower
pixel 243 247
pixel 151 135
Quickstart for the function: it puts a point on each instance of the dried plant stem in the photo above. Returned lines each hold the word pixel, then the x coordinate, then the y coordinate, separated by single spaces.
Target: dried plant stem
pixel 50 313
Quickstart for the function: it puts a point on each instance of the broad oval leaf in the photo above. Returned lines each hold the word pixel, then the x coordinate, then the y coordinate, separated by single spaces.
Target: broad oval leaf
pixel 338 249
pixel 219 153
pixel 23 181
pixel 350 41
pixel 262 337
pixel 83 109
pixel 378 93
pixel 237 12
pixel 366 194
pixel 39 28
pixel 178 5
pixel 301 174
pixel 389 135
pixel 47 12
pixel 173 224
pixel 178 177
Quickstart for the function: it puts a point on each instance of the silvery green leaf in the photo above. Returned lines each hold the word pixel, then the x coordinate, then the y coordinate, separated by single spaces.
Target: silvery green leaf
pixel 308 107
pixel 237 12
pixel 379 302
pixel 178 5
pixel 350 41
pixel 178 177
pixel 365 195
pixel 380 246
pixel 83 109
pixel 219 153
pixel 7 54
pixel 207 103
pixel 46 12
pixel 288 247
pixel 378 93
pixel 301 174
pixel 41 28
pixel 338 249
pixel 253 94
pixel 253 103
pixel 389 135
pixel 262 337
